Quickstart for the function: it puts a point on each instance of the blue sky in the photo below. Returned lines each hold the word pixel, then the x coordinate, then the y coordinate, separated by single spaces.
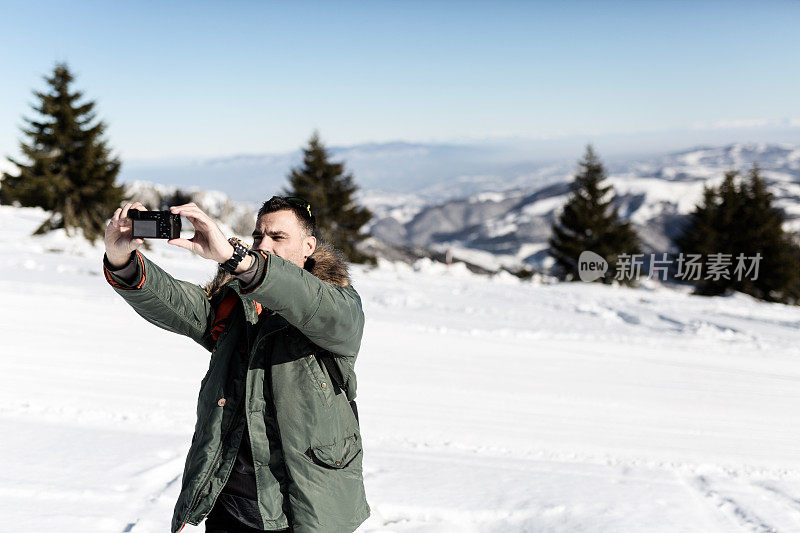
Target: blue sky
pixel 204 79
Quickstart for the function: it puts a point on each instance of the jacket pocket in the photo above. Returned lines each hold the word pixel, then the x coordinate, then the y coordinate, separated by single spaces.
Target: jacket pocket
pixel 338 454
pixel 319 380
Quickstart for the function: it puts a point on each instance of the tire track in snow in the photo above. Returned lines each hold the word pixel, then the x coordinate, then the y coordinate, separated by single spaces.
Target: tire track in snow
pixel 787 501
pixel 715 520
pixel 734 511
pixel 160 478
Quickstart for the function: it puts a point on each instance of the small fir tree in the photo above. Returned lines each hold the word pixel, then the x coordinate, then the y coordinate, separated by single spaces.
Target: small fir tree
pixel 739 218
pixel 330 192
pixel 763 222
pixel 590 222
pixel 699 233
pixel 70 171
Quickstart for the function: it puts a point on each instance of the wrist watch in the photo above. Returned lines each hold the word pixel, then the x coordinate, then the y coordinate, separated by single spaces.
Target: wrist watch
pixel 240 250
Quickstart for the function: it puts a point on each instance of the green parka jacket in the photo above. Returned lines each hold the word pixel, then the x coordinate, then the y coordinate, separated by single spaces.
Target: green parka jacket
pixel 264 372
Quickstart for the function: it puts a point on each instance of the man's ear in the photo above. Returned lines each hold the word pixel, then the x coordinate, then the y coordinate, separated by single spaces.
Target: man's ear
pixel 309 245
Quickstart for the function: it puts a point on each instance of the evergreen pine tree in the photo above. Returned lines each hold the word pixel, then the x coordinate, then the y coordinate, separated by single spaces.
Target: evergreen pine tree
pixel 590 222
pixel 712 228
pixel 70 170
pixel 779 280
pixel 330 192
pixel 739 218
pixel 699 233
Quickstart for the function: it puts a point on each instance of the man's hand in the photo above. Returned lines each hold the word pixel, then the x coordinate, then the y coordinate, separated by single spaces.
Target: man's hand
pixel 208 240
pixel 118 241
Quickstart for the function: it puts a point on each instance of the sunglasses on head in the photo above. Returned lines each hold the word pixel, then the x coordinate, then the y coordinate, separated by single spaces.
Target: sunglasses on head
pixel 300 202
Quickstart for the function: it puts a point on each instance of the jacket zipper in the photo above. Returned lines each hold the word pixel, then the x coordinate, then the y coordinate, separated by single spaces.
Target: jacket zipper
pixel 214 465
pixel 218 455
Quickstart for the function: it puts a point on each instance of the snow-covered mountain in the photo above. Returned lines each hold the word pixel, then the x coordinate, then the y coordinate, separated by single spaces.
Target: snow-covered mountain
pixel 509 227
pixel 504 219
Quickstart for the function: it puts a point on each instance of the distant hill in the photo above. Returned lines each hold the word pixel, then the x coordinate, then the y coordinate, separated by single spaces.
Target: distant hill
pixel 511 227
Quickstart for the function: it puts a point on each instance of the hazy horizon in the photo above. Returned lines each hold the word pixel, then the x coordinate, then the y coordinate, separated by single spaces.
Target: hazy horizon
pixel 402 167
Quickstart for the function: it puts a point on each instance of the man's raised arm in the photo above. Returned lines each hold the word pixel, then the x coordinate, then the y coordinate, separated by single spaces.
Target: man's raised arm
pixel 329 315
pixel 174 305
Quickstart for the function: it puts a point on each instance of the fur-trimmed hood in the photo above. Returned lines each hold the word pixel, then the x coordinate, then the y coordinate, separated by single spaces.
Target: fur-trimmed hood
pixel 326 263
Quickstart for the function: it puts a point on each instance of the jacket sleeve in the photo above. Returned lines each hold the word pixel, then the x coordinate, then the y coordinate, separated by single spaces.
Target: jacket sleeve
pixel 171 304
pixel 329 315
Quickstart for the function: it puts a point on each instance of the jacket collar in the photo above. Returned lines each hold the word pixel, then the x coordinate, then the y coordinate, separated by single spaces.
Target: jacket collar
pixel 326 263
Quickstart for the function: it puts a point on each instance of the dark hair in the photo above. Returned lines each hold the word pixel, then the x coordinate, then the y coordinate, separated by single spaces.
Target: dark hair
pixel 300 208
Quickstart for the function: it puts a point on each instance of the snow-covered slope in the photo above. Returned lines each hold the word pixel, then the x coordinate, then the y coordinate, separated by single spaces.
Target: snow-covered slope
pixel 487 404
pixel 511 226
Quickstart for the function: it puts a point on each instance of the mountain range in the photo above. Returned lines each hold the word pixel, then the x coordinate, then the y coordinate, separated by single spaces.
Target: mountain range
pixel 501 217
pixel 511 227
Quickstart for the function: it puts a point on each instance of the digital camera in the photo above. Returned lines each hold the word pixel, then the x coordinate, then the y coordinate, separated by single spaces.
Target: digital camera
pixel 155 224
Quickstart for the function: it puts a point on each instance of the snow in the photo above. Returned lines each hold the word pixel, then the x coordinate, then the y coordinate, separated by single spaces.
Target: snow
pixel 486 404
pixel 543 207
pixel 488 196
pixel 401 207
pixel 8 167
pixel 487 260
pixel 660 193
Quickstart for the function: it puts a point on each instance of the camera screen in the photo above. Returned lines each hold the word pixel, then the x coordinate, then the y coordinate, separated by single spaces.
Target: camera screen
pixel 145 227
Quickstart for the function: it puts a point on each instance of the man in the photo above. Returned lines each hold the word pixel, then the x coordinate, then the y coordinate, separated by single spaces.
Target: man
pixel 277 445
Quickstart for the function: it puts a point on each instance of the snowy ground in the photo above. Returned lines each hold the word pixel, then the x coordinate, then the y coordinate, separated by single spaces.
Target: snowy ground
pixel 486 405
